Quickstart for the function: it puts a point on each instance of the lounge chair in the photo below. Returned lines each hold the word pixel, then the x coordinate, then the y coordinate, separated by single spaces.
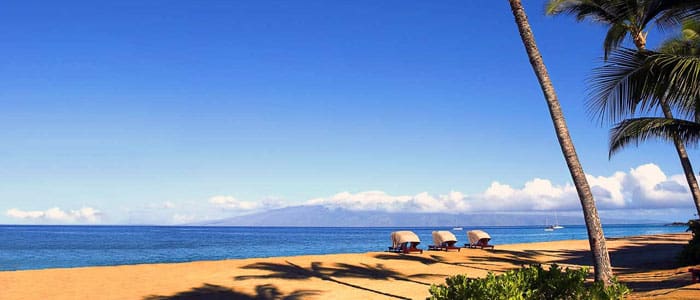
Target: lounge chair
pixel 444 240
pixel 404 242
pixel 478 239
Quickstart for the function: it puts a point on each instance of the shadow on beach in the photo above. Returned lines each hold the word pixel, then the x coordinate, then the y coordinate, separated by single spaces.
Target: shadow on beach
pixel 217 292
pixel 640 254
pixel 289 270
pixel 487 260
pixel 646 264
pixel 401 257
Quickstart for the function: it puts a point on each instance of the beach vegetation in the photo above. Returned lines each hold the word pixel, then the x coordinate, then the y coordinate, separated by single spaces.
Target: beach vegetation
pixel 596 238
pixel 690 255
pixel 528 282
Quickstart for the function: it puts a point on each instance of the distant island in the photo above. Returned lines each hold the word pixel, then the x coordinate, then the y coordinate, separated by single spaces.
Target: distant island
pixel 321 216
pixel 677 224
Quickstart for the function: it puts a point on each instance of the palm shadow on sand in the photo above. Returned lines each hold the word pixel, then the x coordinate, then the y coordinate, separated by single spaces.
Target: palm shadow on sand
pixel 217 292
pixel 642 254
pixel 335 273
pixel 638 257
pixel 491 262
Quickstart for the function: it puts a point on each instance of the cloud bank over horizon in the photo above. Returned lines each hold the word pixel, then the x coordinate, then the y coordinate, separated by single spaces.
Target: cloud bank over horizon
pixel 57 215
pixel 644 188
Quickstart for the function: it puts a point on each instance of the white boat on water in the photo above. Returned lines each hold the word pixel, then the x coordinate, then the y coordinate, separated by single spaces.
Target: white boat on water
pixel 547 226
pixel 556 222
pixel 457 228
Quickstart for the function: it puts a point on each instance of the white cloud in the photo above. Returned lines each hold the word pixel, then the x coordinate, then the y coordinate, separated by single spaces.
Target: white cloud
pixel 162 205
pixel 55 214
pixel 643 187
pixel 230 202
pixel 649 187
pixel 184 218
pixel 609 191
pixel 537 194
pixel 378 200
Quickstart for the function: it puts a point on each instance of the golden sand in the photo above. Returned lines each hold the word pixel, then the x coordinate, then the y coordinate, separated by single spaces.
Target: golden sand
pixel 644 263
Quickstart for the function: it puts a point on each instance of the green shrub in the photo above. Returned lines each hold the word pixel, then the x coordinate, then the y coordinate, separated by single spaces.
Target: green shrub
pixel 531 282
pixel 690 255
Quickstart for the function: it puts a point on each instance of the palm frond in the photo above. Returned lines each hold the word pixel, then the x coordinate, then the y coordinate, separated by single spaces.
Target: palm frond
pixel 631 81
pixel 555 7
pixel 673 12
pixel 637 130
pixel 691 29
pixel 667 13
pixel 687 42
pixel 696 116
pixel 680 73
pixel 619 86
pixel 596 10
pixel 613 39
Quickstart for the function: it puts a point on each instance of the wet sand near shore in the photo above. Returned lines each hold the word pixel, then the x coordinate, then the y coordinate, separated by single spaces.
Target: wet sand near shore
pixel 645 263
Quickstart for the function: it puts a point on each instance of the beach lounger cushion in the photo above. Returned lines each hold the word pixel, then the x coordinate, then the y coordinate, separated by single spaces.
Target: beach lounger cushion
pixel 405 242
pixel 444 240
pixel 478 239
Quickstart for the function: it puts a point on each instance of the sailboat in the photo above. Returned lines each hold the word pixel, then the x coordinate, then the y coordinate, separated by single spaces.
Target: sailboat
pixel 556 222
pixel 549 227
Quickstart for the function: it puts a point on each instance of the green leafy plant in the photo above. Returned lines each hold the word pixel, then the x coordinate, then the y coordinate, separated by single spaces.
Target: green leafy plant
pixel 529 282
pixel 690 255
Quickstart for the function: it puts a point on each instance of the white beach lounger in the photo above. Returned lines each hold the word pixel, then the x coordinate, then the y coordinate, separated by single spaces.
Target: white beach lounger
pixel 444 240
pixel 478 239
pixel 404 242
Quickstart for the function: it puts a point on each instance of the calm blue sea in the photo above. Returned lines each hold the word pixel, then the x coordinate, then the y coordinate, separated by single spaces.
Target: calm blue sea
pixel 39 247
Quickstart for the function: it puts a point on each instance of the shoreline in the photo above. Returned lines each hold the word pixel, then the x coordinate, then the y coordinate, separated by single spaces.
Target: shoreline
pixel 644 262
pixel 501 246
pixel 107 246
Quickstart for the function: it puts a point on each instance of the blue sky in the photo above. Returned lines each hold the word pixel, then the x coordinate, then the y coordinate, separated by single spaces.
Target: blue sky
pixel 169 111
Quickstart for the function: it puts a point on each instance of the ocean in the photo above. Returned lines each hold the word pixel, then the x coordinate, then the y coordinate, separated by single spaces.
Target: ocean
pixel 39 247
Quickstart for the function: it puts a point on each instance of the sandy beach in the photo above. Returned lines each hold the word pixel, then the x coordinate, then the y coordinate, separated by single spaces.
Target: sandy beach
pixel 645 263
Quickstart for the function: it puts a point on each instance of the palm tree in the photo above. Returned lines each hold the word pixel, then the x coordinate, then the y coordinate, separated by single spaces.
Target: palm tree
pixel 631 18
pixel 687 42
pixel 623 17
pixel 643 79
pixel 596 238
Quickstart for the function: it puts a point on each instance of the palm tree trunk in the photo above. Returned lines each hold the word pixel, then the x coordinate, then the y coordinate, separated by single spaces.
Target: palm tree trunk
pixel 685 161
pixel 639 37
pixel 596 239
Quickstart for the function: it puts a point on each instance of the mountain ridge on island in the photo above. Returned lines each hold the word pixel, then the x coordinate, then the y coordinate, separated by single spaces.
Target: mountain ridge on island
pixel 321 216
